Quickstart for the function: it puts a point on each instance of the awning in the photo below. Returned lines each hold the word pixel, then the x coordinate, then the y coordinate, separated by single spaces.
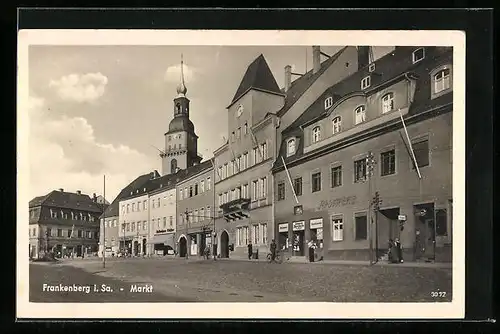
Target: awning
pixel 166 239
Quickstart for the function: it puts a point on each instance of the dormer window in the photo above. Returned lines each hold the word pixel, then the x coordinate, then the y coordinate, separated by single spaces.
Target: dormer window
pixel 337 124
pixel 441 80
pixel 418 55
pixel 365 83
pixel 328 102
pixel 360 114
pixel 371 67
pixel 316 134
pixel 290 147
pixel 387 103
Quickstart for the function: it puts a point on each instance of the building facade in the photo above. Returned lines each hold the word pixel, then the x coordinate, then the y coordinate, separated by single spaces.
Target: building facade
pixel 195 204
pixel 162 217
pixel 350 162
pixel 64 223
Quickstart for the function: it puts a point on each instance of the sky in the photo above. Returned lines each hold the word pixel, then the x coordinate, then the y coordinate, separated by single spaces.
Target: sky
pixel 103 110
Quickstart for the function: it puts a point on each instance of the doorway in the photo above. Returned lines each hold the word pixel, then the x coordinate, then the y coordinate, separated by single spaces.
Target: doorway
pixel 144 246
pixel 224 245
pixel 136 248
pixel 283 240
pixel 388 228
pixel 298 243
pixel 425 234
pixel 182 247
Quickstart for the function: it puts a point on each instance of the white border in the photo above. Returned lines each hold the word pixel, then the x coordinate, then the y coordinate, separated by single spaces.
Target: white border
pixel 455 309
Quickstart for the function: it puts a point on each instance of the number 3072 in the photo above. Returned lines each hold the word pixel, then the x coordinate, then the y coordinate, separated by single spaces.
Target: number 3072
pixel 438 294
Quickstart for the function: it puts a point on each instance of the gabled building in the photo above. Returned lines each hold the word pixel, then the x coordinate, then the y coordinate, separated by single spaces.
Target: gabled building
pixel 65 223
pixel 244 187
pixel 109 229
pixel 350 162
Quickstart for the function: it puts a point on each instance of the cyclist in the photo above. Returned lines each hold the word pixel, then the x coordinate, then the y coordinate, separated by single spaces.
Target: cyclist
pixel 273 250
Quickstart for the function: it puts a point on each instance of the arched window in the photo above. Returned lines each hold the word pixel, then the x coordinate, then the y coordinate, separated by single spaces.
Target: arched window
pixel 441 80
pixel 360 114
pixel 387 103
pixel 328 102
pixel 173 166
pixel 177 108
pixel 316 134
pixel 337 124
pixel 290 147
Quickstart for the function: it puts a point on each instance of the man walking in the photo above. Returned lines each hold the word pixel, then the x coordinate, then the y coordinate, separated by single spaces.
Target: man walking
pixel 273 250
pixel 250 251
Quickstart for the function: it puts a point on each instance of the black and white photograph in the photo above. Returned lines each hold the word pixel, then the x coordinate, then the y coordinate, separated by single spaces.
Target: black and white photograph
pixel 241 173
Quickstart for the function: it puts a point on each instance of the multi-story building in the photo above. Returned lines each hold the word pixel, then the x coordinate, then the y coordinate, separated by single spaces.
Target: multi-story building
pixel 244 186
pixel 371 160
pixel 195 204
pixel 65 223
pixel 162 215
pixel 134 217
pixel 109 236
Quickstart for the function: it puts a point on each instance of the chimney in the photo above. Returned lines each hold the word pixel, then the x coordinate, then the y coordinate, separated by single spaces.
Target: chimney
pixel 61 189
pixel 288 77
pixel 363 56
pixel 79 192
pixel 316 58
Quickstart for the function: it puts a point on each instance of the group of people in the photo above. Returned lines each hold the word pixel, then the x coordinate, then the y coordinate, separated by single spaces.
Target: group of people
pixel 395 251
pixel 273 247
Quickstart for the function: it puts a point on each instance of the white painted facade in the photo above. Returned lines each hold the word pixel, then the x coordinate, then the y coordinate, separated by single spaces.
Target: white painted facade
pixel 133 227
pixel 162 220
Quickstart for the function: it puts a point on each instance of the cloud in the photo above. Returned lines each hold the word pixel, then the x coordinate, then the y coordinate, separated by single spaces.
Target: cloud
pixel 80 87
pixel 64 153
pixel 173 73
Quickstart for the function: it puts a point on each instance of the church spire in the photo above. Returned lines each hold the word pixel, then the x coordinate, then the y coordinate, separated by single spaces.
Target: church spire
pixel 181 88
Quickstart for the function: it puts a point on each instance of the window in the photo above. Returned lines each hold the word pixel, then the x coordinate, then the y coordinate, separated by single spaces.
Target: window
pixel 133 207
pixel 361 227
pixel 263 187
pixel 388 160
pixel 190 191
pixel 255 185
pixel 316 134
pixel 328 102
pixel 290 147
pixel 338 228
pixel 128 208
pixel 220 200
pixel 224 171
pixel 418 55
pixel 202 186
pixel 144 205
pixel 360 114
pixel 264 151
pixel 336 176
pixel 208 213
pixel 173 165
pixel 220 173
pixel 337 124
pixel 255 234
pixel 365 83
pixel 263 232
pixel 59 232
pixel 196 189
pixel 80 233
pixel 245 128
pixel 387 103
pixel 244 191
pixel 185 192
pixel 421 151
pixel 196 216
pixel 138 206
pixel 360 170
pixel 238 133
pixel 281 191
pixel 128 227
pixel 202 214
pixel 316 182
pixel 242 236
pixel 180 194
pixel 144 225
pixel 69 233
pixel 209 183
pixel 245 160
pixel 133 227
pixel 371 67
pixel 441 80
pixel 297 186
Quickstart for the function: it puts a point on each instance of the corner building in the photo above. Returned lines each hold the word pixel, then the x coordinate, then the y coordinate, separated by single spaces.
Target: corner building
pixel 244 188
pixel 326 151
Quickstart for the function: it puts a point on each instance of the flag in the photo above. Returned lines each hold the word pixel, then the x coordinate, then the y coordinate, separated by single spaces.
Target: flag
pixel 409 144
pixel 290 180
pixel 254 140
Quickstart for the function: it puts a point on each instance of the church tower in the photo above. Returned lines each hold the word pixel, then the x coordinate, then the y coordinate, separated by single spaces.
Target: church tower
pixel 181 142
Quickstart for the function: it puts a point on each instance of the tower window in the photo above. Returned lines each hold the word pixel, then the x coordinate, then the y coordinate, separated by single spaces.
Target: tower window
pixel 173 166
pixel 178 108
pixel 418 55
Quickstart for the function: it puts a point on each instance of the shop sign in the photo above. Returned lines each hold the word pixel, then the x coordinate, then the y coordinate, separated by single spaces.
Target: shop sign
pixel 283 227
pixel 298 210
pixel 402 217
pixel 337 202
pixel 316 223
pixel 299 226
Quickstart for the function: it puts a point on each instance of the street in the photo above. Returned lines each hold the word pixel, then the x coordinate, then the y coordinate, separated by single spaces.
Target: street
pixel 239 281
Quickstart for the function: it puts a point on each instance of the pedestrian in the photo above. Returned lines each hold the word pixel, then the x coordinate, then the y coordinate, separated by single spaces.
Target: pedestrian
pixel 399 249
pixel 249 250
pixel 273 249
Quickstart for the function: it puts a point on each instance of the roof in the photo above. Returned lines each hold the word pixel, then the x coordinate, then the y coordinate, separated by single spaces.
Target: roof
pixel 67 200
pixel 194 170
pixel 181 123
pixel 387 68
pixel 257 76
pixel 113 209
pixel 302 84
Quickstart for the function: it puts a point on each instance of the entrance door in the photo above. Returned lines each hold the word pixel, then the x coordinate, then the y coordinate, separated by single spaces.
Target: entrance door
pixel 224 245
pixel 182 247
pixel 424 231
pixel 136 248
pixel 143 246
pixel 298 243
pixel 283 240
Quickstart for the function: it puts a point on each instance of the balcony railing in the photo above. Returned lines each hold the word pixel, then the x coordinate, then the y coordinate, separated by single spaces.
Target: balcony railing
pixel 236 209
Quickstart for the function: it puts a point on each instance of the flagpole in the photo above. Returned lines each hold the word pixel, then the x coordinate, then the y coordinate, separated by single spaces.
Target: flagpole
pixel 290 180
pixel 409 143
pixel 104 224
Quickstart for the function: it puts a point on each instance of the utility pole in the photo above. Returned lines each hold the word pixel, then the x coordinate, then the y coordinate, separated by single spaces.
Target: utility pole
pixel 370 165
pixel 376 207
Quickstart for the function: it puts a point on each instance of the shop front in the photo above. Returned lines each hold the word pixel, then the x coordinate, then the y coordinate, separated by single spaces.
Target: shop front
pixel 163 244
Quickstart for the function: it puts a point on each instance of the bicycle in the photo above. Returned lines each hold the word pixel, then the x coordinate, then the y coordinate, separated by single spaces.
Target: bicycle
pixel 278 258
